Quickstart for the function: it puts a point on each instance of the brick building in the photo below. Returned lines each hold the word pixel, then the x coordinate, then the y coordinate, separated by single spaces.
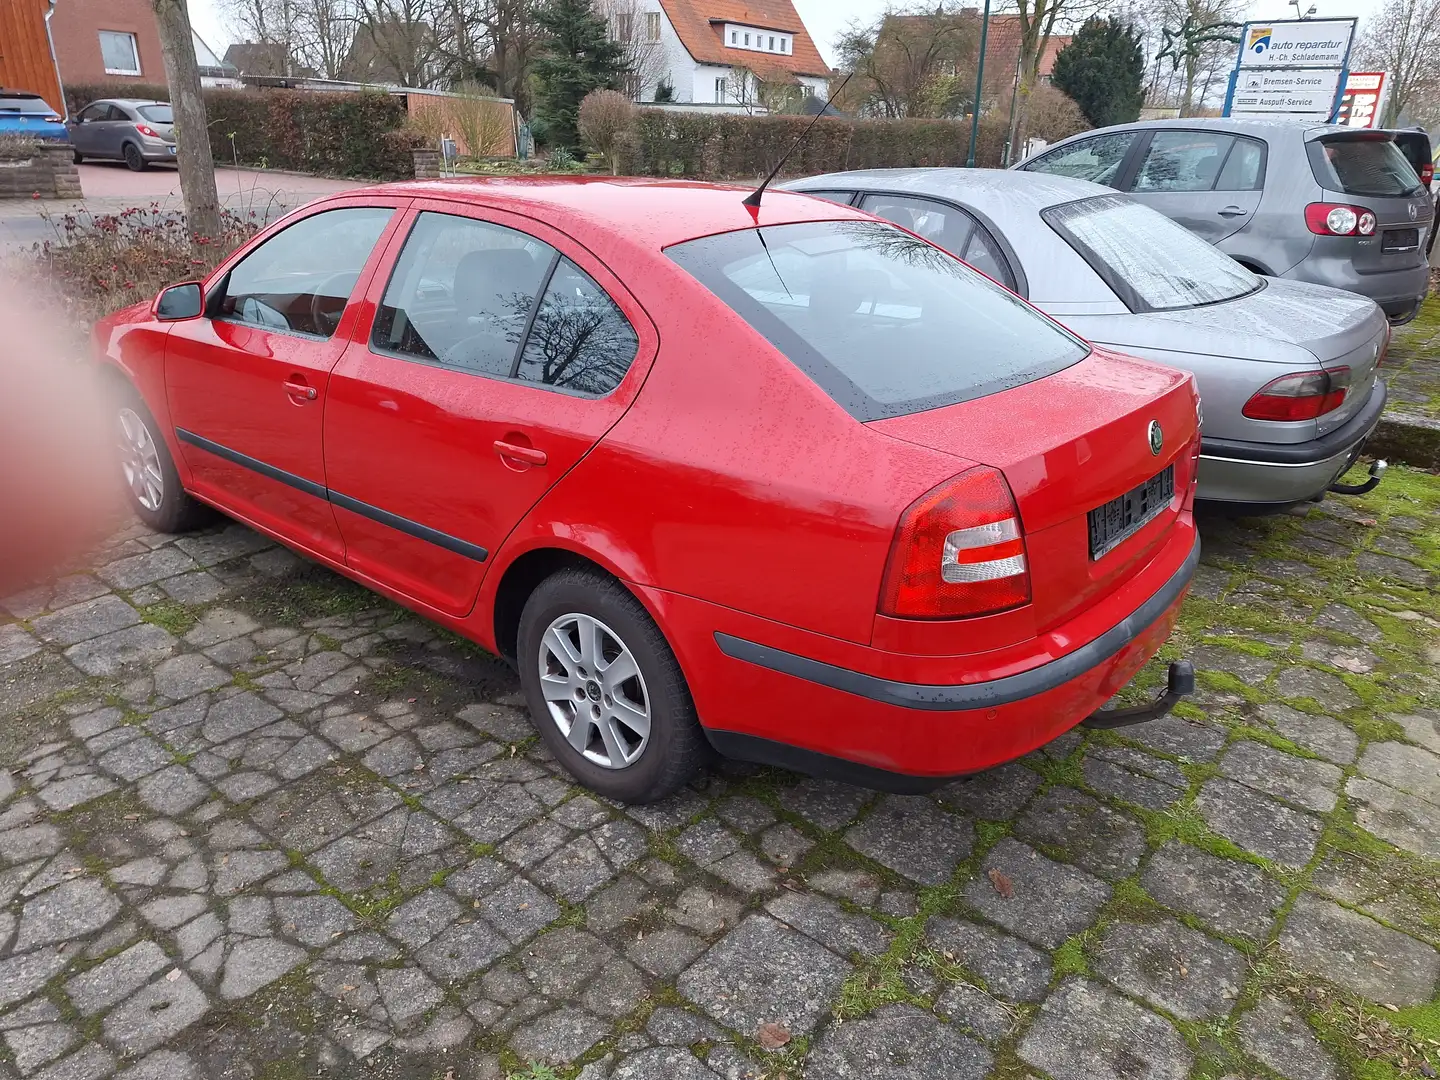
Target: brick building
pixel 106 41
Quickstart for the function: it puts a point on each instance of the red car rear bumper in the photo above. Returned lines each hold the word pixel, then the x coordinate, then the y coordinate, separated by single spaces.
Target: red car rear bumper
pixel 895 722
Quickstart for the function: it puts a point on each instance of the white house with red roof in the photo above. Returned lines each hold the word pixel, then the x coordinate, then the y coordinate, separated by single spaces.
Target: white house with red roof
pixel 714 50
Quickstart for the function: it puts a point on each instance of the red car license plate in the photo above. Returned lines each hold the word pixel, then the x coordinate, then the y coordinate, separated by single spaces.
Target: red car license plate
pixel 1120 519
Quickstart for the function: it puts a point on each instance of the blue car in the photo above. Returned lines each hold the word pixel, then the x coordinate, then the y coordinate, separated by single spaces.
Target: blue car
pixel 23 113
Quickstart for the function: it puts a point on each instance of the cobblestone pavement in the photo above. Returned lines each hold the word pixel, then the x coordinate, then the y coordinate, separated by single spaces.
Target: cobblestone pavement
pixel 255 822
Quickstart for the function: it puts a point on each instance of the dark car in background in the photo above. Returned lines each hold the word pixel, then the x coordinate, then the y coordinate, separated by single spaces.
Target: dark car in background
pixel 135 131
pixel 24 113
pixel 1330 205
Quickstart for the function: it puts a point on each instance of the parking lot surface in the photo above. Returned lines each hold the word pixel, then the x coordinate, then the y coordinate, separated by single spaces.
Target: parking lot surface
pixel 256 822
pixel 109 187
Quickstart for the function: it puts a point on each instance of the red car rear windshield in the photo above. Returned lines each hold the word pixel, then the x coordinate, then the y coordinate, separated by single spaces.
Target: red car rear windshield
pixel 884 322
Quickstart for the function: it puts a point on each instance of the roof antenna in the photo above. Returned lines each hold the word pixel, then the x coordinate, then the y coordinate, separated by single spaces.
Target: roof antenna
pixel 753 199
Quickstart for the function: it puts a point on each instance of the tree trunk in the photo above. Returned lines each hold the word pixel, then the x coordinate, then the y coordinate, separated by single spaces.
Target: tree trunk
pixel 192 133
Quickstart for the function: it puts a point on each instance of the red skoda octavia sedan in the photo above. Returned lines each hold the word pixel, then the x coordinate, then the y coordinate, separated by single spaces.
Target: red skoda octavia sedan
pixel 790 484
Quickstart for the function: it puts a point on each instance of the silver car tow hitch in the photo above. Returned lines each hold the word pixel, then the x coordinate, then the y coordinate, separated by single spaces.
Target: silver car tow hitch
pixel 1181 684
pixel 1377 472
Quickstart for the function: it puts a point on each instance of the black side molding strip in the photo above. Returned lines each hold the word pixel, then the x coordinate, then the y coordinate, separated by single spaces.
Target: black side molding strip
pixel 345 502
pixel 981 695
pixel 245 461
pixel 410 528
pixel 1325 447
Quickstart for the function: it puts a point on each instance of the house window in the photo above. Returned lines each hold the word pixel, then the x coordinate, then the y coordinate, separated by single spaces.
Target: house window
pixel 624 26
pixel 747 41
pixel 783 46
pixel 772 43
pixel 652 26
pixel 722 89
pixel 734 37
pixel 119 53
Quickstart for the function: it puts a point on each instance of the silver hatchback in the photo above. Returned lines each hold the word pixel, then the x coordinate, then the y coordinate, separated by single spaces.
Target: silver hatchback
pixel 1330 205
pixel 137 132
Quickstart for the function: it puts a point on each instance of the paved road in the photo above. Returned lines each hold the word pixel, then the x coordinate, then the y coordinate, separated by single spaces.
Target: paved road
pixel 255 821
pixel 109 188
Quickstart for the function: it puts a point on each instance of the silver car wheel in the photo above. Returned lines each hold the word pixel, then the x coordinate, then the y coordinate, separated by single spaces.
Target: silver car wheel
pixel 594 691
pixel 140 461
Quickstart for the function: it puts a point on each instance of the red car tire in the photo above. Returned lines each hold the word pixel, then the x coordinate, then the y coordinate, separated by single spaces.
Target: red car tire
pixel 568 605
pixel 164 506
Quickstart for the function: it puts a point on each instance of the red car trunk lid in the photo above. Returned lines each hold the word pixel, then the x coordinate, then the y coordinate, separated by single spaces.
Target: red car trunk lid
pixel 1069 444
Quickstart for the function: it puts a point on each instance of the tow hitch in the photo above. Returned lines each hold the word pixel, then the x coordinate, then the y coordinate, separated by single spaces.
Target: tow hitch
pixel 1181 684
pixel 1377 471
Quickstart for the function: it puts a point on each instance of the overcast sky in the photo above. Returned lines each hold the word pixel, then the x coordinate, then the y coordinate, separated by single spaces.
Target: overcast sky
pixel 825 19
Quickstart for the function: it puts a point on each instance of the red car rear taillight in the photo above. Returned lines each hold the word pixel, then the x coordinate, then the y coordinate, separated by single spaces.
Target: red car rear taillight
pixel 959 551
pixel 147 131
pixel 1302 396
pixel 1427 173
pixel 1337 219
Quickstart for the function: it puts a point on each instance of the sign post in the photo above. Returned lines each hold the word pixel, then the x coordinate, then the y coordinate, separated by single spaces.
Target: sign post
pixel 1293 68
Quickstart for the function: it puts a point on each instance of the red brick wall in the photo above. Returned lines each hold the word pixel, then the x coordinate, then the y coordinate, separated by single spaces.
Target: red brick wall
pixel 76 25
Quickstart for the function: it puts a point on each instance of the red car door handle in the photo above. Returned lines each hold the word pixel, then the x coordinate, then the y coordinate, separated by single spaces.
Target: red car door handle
pixel 527 454
pixel 300 390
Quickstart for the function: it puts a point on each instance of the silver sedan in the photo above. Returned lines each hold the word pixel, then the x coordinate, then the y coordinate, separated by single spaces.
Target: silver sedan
pixel 1286 370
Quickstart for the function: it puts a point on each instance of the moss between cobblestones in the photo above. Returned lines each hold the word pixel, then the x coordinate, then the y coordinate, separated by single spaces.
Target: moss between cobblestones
pixel 1057 771
pixel 988 834
pixel 1273 740
pixel 535 1072
pixel 878 981
pixel 1224 683
pixel 1184 823
pixel 1070 958
pixel 284 1069
pixel 170 615
pixel 314 593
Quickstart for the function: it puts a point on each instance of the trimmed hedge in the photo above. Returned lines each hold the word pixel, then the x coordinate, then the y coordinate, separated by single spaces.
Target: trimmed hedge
pixel 78 95
pixel 339 134
pixel 336 134
pixel 719 146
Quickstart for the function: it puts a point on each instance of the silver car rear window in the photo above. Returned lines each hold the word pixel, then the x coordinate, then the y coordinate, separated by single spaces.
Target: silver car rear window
pixel 1149 261
pixel 1366 165
pixel 884 322
pixel 157 114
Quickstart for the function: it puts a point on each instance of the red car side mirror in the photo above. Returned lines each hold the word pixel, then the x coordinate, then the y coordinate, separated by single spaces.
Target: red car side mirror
pixel 178 302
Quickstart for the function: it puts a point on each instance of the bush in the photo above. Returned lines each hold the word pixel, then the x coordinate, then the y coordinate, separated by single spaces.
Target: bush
pixel 97 264
pixel 78 95
pixel 350 134
pixel 480 125
pixel 605 120
pixel 717 146
pixel 360 134
pixel 16 147
pixel 1052 115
